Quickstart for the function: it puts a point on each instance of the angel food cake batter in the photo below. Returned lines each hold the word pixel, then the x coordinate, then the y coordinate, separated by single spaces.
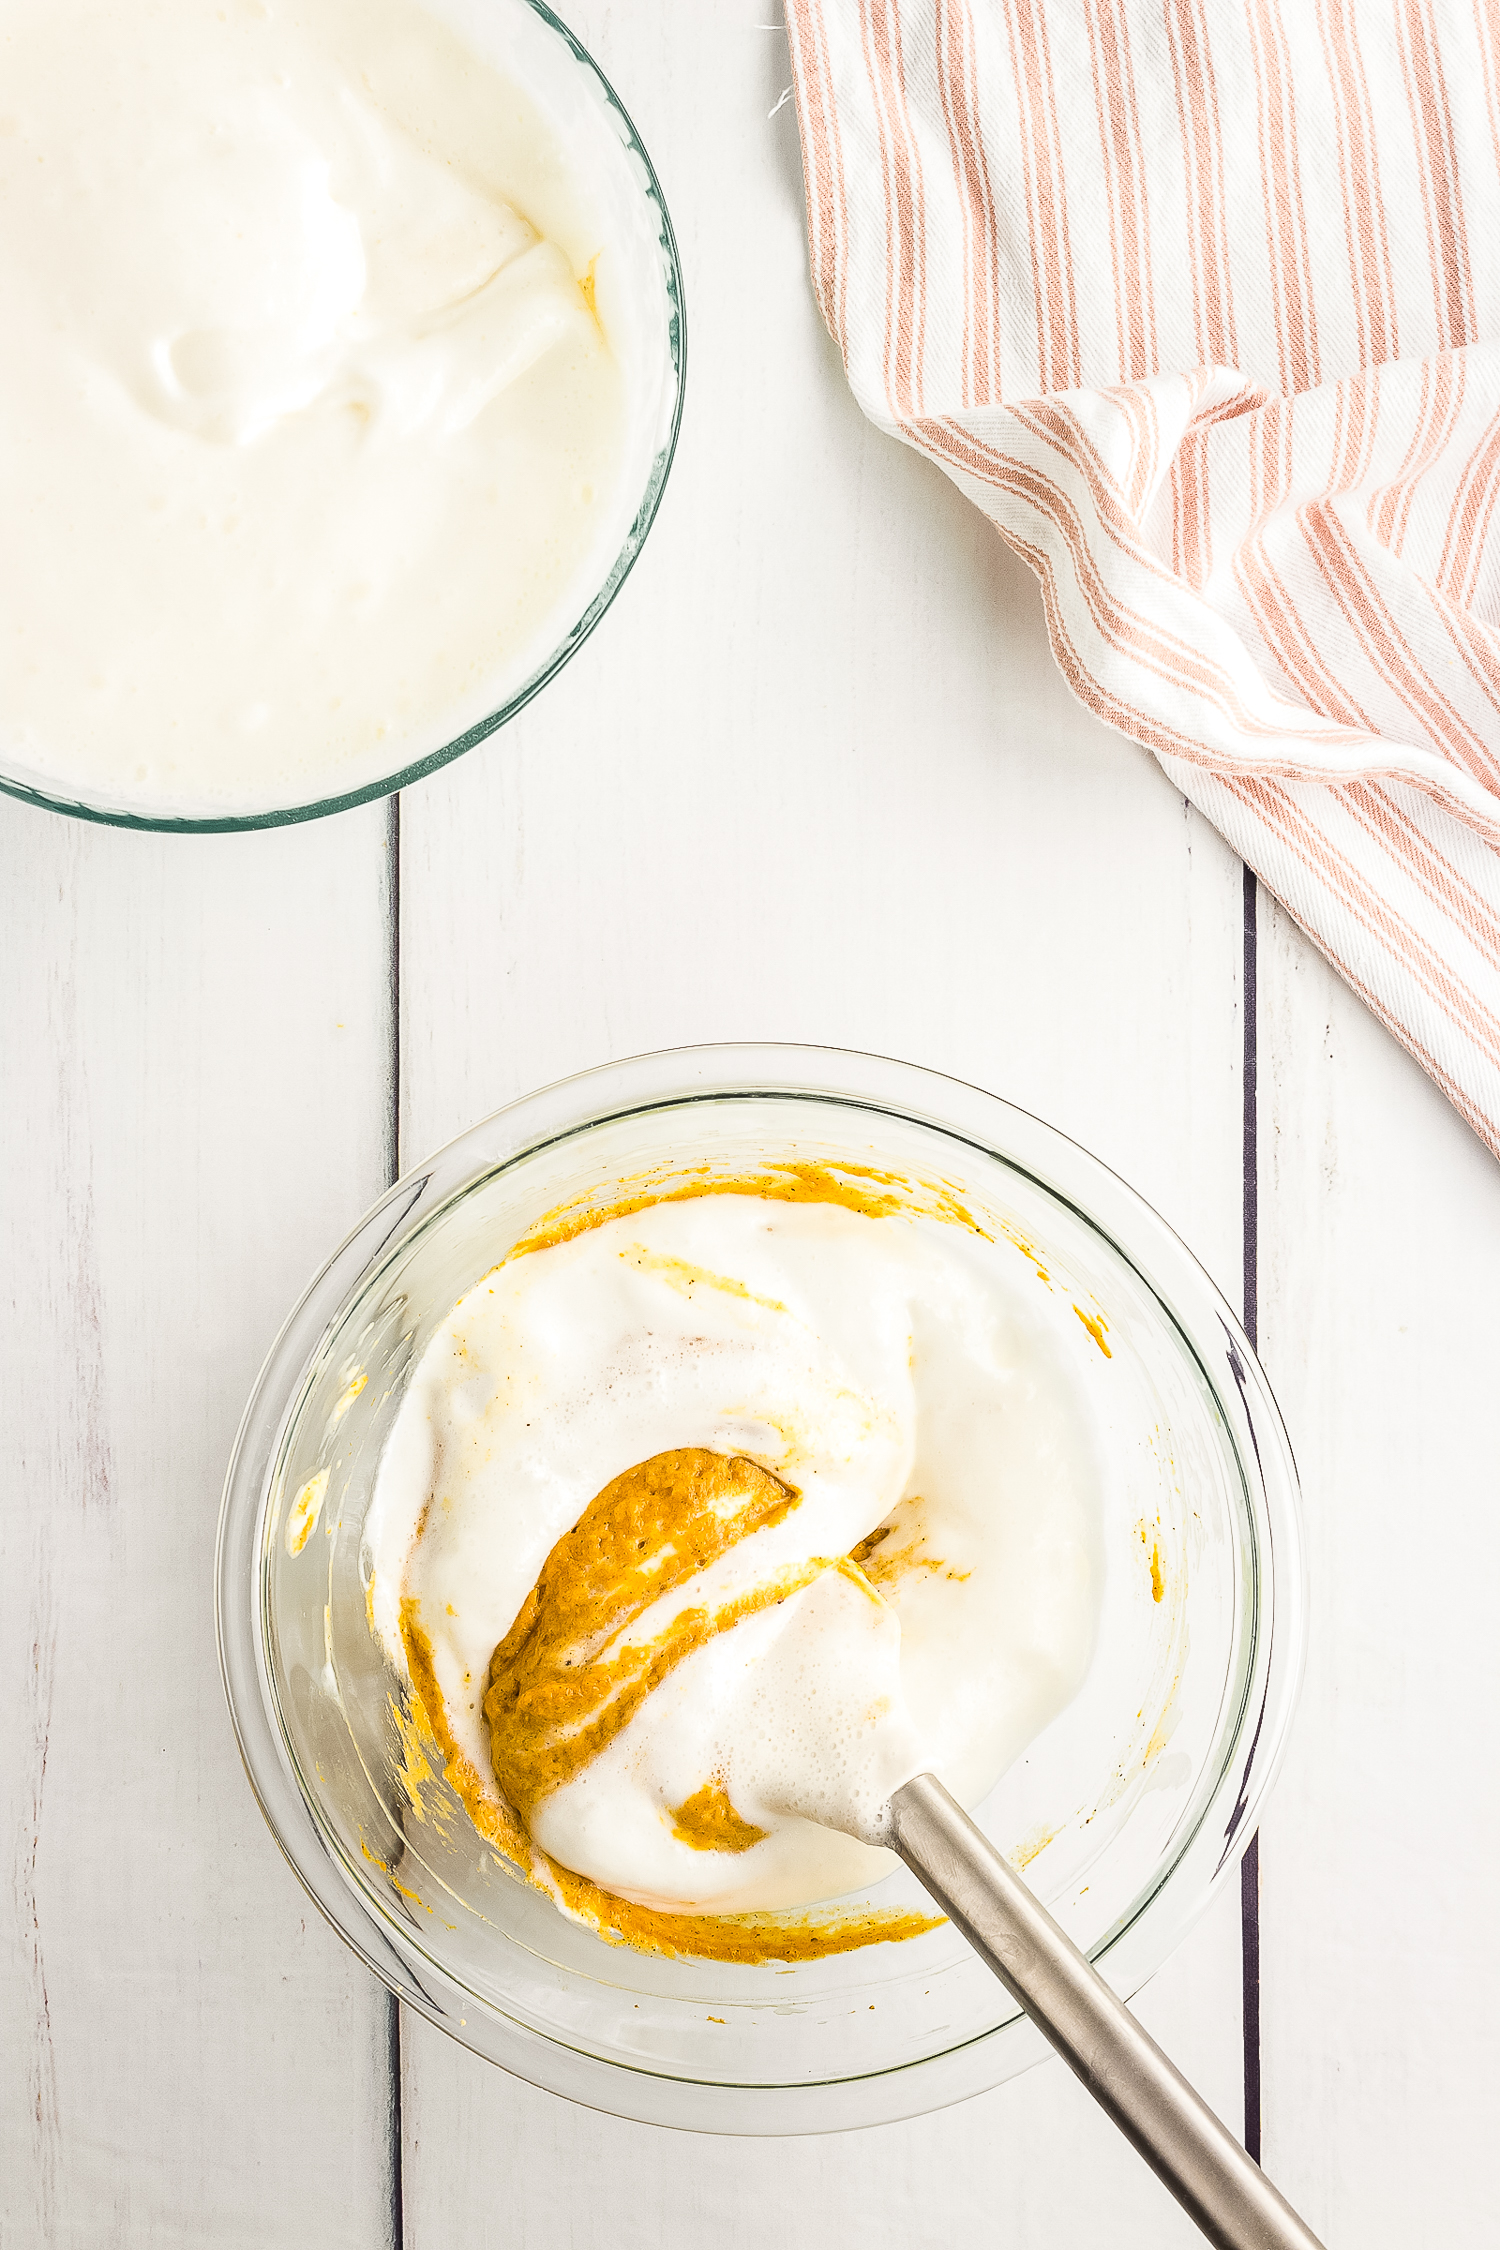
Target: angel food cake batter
pixel 726 1512
pixel 312 416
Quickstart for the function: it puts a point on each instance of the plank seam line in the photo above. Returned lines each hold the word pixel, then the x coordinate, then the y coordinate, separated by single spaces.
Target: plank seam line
pixel 1250 1277
pixel 394 2119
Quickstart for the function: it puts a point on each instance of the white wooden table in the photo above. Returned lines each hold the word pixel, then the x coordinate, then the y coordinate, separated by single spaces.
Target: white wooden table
pixel 815 778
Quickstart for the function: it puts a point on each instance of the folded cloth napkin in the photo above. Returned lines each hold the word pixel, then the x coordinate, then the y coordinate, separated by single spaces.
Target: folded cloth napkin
pixel 1190 297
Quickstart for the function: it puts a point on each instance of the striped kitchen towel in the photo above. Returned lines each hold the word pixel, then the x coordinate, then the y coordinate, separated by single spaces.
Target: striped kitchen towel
pixel 1192 298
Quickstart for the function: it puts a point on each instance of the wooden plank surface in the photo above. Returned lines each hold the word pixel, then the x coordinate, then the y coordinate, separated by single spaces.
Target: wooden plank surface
pixel 195 1035
pixel 1380 1249
pixel 816 778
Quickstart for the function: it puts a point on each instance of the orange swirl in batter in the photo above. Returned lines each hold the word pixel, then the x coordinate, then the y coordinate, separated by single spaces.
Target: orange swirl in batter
pixel 561 1683
pixel 746 1940
pixel 564 1681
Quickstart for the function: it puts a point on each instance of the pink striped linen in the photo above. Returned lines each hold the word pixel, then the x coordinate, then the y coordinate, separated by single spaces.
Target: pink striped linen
pixel 1190 296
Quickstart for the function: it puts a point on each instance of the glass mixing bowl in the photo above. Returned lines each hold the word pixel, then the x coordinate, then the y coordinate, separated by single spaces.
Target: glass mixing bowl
pixel 1127 1813
pixel 647 329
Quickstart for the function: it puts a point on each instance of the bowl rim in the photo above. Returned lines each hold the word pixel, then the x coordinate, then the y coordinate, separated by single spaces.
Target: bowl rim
pixel 1256 1736
pixel 287 816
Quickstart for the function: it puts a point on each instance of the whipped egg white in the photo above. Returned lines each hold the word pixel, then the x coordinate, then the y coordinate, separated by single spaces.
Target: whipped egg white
pixel 919 1576
pixel 318 397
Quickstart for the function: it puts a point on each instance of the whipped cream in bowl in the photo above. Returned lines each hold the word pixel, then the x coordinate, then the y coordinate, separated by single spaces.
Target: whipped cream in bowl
pixel 346 368
pixel 667 1471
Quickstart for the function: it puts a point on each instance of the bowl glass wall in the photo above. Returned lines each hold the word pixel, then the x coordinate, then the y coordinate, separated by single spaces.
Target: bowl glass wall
pixel 573 90
pixel 1128 1812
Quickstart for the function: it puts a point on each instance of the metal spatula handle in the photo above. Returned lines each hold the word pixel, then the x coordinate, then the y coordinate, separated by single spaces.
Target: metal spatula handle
pixel 1222 2188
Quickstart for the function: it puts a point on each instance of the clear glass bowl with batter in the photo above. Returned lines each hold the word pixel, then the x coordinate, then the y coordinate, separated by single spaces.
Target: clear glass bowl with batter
pixel 1128 1812
pixel 574 94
